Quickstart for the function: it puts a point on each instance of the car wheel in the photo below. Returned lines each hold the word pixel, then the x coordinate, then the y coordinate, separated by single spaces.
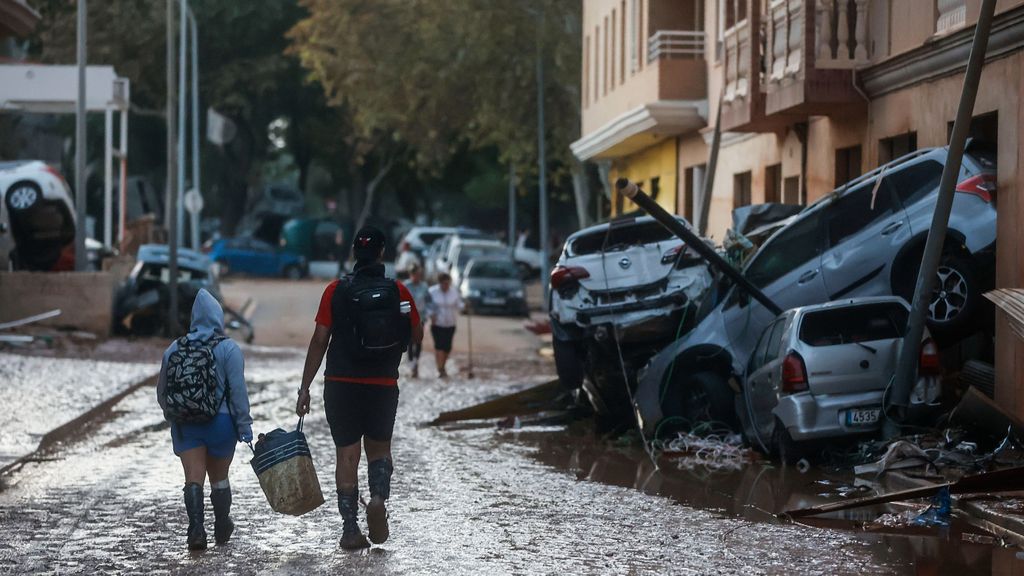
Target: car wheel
pixel 568 363
pixel 952 309
pixel 293 272
pixel 788 450
pixel 23 195
pixel 707 397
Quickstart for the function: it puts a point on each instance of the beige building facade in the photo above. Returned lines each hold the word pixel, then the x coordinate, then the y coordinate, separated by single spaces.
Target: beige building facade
pixel 814 93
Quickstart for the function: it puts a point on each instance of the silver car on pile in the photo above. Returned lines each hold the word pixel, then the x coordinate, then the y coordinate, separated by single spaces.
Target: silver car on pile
pixel 822 372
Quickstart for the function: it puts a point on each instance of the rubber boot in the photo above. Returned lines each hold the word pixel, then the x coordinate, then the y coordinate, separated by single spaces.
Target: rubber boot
pixel 379 473
pixel 196 535
pixel 222 524
pixel 351 536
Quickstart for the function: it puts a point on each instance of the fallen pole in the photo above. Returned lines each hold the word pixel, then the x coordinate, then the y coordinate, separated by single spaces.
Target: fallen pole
pixel 634 193
pixel 30 319
pixel 1009 480
pixel 529 401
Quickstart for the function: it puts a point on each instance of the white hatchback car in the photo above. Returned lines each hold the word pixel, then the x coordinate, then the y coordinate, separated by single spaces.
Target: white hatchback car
pixel 37 217
pixel 822 372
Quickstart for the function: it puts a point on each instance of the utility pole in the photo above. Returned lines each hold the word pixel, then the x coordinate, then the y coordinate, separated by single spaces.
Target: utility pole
pixel 906 368
pixel 81 258
pixel 542 164
pixel 195 217
pixel 182 111
pixel 512 208
pixel 172 186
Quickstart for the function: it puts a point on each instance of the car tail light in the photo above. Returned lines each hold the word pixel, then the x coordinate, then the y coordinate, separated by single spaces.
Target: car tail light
pixel 55 172
pixel 929 362
pixel 794 374
pixel 672 254
pixel 983 186
pixel 563 276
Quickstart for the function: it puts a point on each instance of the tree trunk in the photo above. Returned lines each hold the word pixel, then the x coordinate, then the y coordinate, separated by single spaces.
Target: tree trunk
pixel 371 191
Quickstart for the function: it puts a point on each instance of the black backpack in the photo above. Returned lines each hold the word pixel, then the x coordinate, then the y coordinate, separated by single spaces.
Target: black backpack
pixel 191 394
pixel 376 328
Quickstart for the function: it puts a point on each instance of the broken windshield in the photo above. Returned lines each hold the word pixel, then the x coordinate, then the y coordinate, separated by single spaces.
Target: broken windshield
pixel 618 238
pixel 853 324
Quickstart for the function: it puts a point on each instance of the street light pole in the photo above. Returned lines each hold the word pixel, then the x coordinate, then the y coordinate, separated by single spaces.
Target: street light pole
pixel 81 259
pixel 182 101
pixel 194 217
pixel 512 208
pixel 172 187
pixel 542 164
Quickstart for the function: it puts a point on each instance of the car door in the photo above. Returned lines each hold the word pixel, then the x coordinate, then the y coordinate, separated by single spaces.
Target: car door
pixel 760 385
pixel 864 229
pixel 788 270
pixel 6 238
pixel 264 259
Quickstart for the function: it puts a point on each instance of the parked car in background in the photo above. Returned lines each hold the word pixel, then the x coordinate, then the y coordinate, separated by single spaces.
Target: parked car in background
pixel 420 238
pixel 822 371
pixel 442 260
pixel 493 284
pixel 864 239
pixel 620 292
pixel 256 257
pixel 37 219
pixel 462 251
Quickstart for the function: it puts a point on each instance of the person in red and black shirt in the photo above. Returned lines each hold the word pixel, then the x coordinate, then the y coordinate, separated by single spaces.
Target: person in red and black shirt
pixel 360 394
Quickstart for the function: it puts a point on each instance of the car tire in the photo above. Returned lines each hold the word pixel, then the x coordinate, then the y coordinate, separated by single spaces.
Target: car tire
pixel 952 311
pixel 787 450
pixel 23 196
pixel 569 363
pixel 293 272
pixel 707 397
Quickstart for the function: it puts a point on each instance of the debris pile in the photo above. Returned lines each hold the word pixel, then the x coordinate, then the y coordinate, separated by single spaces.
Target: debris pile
pixel 713 452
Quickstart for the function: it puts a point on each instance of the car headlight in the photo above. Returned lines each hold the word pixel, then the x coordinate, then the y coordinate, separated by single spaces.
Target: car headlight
pixel 472 293
pixel 518 293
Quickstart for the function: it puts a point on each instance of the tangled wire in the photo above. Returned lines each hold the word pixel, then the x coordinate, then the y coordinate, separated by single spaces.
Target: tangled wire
pixel 717 452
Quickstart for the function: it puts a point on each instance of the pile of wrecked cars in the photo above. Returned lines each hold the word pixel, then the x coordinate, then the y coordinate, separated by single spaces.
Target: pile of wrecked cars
pixel 705 350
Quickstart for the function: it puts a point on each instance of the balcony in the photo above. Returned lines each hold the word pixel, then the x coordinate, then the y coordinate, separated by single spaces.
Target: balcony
pixel 675 44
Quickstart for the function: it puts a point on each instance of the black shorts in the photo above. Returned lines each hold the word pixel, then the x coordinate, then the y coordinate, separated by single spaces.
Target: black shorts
pixel 442 337
pixel 357 410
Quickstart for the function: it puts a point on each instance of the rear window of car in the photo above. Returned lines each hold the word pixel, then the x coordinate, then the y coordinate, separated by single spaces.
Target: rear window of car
pixel 851 324
pixel 620 237
pixel 916 181
pixel 429 238
pixel 494 270
pixel 790 247
pixel 469 252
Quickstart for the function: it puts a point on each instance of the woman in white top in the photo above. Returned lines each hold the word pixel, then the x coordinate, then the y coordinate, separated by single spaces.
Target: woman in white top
pixel 445 304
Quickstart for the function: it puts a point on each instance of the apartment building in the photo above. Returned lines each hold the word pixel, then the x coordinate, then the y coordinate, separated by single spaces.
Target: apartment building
pixel 813 93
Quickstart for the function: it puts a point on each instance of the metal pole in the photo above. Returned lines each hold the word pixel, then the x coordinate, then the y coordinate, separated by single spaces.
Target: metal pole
pixel 81 258
pixel 634 193
pixel 512 207
pixel 108 174
pixel 709 174
pixel 542 165
pixel 195 218
pixel 172 186
pixel 182 101
pixel 123 213
pixel 906 368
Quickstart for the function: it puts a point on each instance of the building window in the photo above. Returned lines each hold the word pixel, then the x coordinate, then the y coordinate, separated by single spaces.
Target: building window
pixel 611 69
pixel 597 62
pixel 693 183
pixel 604 65
pixel 791 190
pixel 741 189
pixel 655 187
pixel 720 30
pixel 586 71
pixel 641 38
pixel 890 149
pixel 847 164
pixel 773 183
pixel 622 43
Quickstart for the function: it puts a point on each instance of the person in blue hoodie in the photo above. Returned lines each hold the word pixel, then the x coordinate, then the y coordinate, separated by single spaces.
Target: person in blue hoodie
pixel 206 449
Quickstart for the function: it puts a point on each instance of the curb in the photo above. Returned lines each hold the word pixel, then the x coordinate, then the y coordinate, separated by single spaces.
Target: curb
pixel 69 428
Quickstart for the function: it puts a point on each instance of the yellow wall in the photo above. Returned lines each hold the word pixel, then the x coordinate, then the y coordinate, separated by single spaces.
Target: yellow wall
pixel 658 161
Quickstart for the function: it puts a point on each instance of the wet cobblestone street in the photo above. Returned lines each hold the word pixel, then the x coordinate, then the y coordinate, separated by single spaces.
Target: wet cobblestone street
pixel 466 500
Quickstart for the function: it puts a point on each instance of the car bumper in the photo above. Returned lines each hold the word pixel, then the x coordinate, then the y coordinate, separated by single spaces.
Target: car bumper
pixel 479 303
pixel 807 416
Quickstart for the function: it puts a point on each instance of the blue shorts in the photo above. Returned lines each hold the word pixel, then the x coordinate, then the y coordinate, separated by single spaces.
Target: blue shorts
pixel 218 435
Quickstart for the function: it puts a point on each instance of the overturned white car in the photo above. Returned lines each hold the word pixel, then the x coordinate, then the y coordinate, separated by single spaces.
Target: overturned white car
pixel 620 292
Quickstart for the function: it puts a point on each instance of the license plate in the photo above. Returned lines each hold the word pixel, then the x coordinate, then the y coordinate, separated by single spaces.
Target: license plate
pixel 862 416
pixel 494 301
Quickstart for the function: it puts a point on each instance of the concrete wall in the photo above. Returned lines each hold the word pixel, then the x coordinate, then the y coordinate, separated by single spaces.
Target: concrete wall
pixel 84 298
pixel 658 161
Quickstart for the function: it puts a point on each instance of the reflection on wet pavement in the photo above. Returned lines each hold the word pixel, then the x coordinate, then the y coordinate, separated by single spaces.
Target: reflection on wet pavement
pixel 466 500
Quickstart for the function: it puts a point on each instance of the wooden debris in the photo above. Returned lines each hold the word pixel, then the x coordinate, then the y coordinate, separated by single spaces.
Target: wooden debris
pixel 1011 301
pixel 529 401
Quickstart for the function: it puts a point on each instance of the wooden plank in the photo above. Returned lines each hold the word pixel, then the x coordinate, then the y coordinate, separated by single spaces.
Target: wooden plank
pixel 530 401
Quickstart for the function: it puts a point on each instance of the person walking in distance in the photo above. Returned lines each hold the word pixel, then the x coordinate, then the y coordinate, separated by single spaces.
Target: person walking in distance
pixel 201 390
pixel 364 325
pixel 445 304
pixel 421 297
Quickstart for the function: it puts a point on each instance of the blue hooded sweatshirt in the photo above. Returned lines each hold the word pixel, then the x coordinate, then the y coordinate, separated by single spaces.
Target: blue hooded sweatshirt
pixel 207 320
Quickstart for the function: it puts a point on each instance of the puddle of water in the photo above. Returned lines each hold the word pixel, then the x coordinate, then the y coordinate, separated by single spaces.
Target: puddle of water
pixel 761 489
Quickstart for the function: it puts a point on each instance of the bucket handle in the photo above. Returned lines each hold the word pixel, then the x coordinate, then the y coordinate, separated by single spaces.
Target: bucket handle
pixel 298 428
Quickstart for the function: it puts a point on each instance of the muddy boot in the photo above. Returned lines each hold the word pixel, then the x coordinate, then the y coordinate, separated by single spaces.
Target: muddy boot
pixel 196 536
pixel 379 472
pixel 220 497
pixel 351 536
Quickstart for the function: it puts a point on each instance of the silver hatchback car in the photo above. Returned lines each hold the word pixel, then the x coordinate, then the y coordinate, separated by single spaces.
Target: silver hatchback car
pixel 822 371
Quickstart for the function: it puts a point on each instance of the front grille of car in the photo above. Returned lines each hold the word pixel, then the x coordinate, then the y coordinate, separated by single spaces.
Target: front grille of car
pixel 619 295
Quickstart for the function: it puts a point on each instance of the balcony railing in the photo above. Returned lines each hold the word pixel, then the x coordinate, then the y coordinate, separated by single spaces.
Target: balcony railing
pixel 785 36
pixel 737 61
pixel 841 33
pixel 675 44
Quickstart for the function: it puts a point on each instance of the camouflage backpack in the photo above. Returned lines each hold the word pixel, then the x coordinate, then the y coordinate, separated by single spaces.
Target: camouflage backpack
pixel 191 391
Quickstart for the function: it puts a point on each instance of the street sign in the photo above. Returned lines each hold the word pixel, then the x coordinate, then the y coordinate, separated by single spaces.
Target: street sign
pixel 193 201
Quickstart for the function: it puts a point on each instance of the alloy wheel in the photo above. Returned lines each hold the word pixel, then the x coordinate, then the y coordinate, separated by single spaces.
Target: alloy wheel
pixel 23 197
pixel 949 296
